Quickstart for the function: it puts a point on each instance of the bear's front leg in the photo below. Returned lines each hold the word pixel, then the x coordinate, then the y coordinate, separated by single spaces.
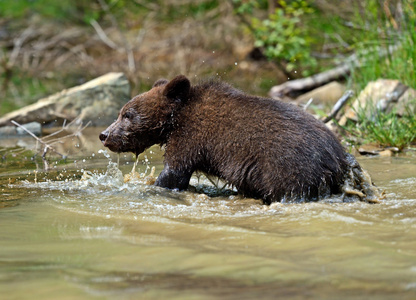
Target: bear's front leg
pixel 173 179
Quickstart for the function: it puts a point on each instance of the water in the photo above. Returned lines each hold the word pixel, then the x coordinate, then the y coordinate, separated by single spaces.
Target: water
pixel 77 233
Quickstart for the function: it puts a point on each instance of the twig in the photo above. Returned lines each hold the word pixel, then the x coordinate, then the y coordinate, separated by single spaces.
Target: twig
pixel 18 42
pixel 76 133
pixel 127 47
pixel 337 107
pixel 306 106
pixel 64 127
pixel 47 147
pixel 389 15
pixel 103 36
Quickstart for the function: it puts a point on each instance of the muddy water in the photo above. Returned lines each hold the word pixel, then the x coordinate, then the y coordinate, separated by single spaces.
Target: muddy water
pixel 63 237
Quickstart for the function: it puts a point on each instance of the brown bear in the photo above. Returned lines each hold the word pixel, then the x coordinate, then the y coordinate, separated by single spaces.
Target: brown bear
pixel 265 148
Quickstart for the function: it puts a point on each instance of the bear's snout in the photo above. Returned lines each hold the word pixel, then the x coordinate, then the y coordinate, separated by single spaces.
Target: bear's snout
pixel 112 140
pixel 103 136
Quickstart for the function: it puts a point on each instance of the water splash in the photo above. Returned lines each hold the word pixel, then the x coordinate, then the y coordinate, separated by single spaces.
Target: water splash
pixel 105 153
pixel 113 177
pixel 358 184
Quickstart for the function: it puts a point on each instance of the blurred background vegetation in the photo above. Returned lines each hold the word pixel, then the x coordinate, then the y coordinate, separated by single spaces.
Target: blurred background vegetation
pixel 48 45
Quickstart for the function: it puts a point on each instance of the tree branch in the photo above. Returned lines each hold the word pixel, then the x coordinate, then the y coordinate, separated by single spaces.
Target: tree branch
pixel 308 83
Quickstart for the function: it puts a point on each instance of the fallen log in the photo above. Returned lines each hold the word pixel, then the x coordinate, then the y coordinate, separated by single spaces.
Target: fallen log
pixel 308 83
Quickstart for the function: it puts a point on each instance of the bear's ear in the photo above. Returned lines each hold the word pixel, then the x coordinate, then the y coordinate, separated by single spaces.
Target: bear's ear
pixel 178 88
pixel 160 82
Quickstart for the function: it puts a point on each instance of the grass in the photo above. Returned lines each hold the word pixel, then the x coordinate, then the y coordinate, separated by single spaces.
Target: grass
pixel 386 129
pixel 399 64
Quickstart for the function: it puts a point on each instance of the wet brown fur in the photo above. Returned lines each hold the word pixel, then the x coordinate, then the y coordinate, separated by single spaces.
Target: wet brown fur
pixel 266 148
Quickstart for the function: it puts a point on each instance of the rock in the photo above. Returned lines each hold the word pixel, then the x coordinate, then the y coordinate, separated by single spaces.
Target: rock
pixel 7 131
pixel 327 94
pixel 33 127
pixel 380 94
pixel 404 101
pixel 375 149
pixel 370 149
pixel 386 153
pixel 98 101
pixel 14 131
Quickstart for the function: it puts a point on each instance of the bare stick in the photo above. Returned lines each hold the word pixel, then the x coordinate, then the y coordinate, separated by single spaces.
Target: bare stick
pixel 306 106
pixel 337 107
pixel 18 42
pixel 66 127
pixel 76 133
pixel 103 36
pixel 127 47
pixel 47 147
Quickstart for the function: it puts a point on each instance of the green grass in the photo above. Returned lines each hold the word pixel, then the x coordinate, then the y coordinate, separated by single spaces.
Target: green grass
pixel 399 64
pixel 386 129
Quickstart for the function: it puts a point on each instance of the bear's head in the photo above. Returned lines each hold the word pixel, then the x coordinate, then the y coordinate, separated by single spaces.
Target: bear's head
pixel 148 118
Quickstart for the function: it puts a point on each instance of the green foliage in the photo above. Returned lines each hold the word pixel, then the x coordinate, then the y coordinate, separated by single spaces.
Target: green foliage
pixel 391 130
pixel 281 35
pixel 386 129
pixel 247 7
pixel 70 11
pixel 378 37
pixel 59 10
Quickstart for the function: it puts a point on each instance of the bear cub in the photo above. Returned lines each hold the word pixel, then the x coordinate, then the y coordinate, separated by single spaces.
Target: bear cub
pixel 265 148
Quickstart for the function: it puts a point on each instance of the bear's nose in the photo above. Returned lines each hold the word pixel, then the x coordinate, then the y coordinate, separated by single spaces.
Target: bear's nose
pixel 103 136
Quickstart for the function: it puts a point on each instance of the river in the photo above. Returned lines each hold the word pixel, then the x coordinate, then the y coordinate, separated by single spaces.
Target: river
pixel 77 232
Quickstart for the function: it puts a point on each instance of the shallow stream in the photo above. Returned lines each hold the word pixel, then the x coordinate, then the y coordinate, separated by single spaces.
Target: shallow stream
pixel 68 236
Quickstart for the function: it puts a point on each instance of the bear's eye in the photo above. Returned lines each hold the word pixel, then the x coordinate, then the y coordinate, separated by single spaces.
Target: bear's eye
pixel 128 115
